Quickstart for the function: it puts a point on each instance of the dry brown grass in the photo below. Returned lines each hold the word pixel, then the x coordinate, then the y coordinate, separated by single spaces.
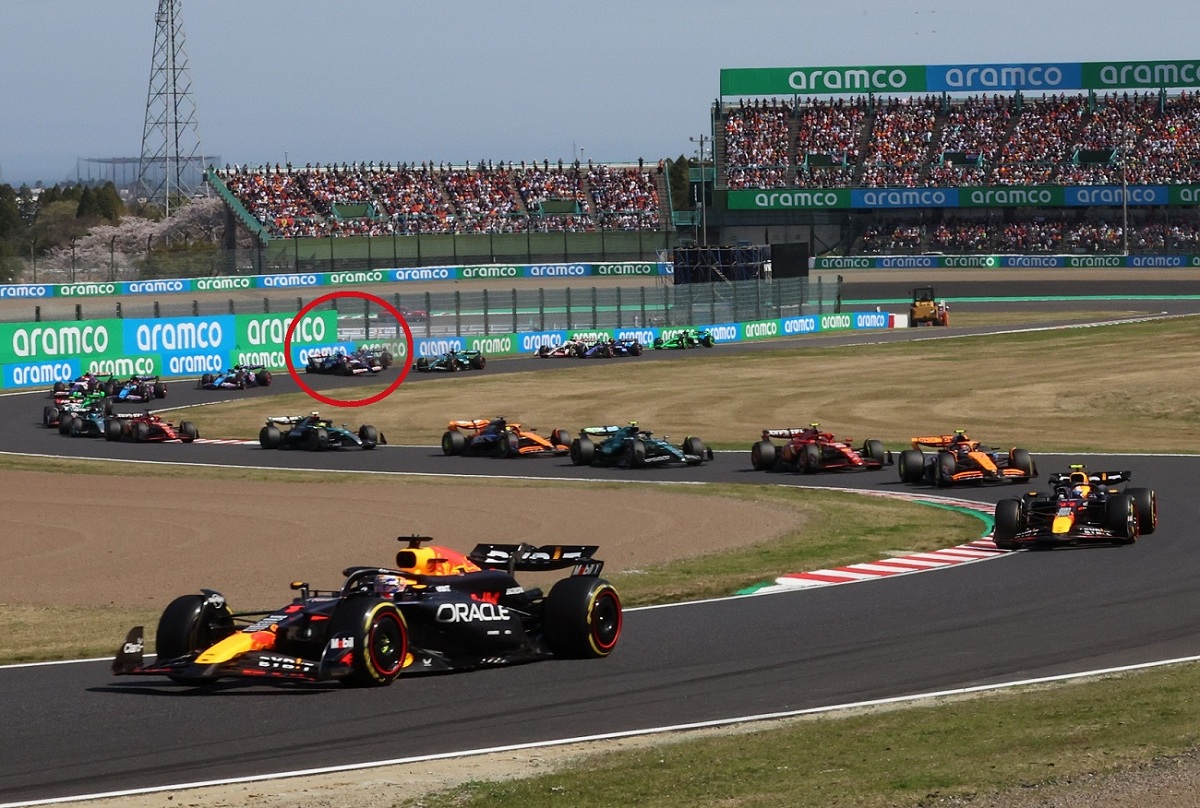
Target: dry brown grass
pixel 1118 388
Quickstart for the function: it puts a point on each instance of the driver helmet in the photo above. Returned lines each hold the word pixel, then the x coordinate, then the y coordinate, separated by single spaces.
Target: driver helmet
pixel 1080 485
pixel 387 585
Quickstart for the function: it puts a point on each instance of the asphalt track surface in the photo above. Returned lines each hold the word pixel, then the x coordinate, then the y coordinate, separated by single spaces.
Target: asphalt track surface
pixel 74 729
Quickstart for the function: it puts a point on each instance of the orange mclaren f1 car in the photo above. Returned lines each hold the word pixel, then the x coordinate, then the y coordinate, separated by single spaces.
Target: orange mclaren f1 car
pixel 959 459
pixel 501 438
pixel 437 610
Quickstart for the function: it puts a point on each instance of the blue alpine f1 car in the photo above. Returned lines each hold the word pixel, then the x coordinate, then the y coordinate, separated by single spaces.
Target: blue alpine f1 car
pixel 239 377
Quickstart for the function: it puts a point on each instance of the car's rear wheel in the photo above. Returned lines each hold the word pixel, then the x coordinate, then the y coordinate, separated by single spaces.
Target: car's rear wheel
pixel 77 427
pixel 1008 523
pixel 159 390
pixel 64 423
pixel 206 379
pixel 1120 517
pixel 141 431
pixel 369 435
pixel 1146 502
pixel 317 439
pixel 762 455
pixel 453 443
pixel 635 453
pixel 635 349
pixel 263 377
pixel 112 429
pixel 509 445
pixel 583 452
pixel 269 437
pixel 911 466
pixel 189 624
pixel 379 640
pixel 560 437
pixel 581 618
pixel 478 362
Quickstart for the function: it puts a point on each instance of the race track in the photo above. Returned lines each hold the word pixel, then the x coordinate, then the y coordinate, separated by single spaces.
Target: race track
pixel 73 729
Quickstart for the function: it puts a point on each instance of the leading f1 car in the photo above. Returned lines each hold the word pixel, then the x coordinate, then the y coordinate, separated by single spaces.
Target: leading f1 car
pixel 1081 507
pixel 959 459
pixel 437 610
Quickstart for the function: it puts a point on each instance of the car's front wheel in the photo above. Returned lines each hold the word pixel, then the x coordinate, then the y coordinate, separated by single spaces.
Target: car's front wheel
pixel 379 640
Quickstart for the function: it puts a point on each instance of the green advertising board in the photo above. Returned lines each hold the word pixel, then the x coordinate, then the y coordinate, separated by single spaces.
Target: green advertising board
pixel 823 80
pixel 30 342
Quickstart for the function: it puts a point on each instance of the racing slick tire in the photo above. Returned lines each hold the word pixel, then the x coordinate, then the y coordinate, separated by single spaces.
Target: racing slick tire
pixel 380 639
pixel 478 362
pixel 1121 518
pixel 269 437
pixel 874 450
pixel 694 446
pixel 453 443
pixel 543 351
pixel 263 377
pixel 809 460
pixel 945 470
pixel 64 424
pixel 1146 502
pixel 159 390
pixel 635 454
pixel 206 379
pixel 50 416
pixel 707 341
pixel 658 343
pixel 763 455
pixel 77 427
pixel 635 349
pixel 58 387
pixel 369 436
pixel 317 439
pixel 509 445
pixel 583 452
pixel 112 429
pixel 422 365
pixel 191 623
pixel 188 431
pixel 140 431
pixel 911 466
pixel 111 388
pixel 560 437
pixel 1008 524
pixel 581 618
pixel 1019 459
pixel 386 359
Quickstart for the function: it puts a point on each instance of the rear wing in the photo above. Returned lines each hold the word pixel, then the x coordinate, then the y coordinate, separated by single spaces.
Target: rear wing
pixel 794 431
pixel 527 558
pixel 937 441
pixel 600 431
pixel 474 424
pixel 285 420
pixel 1094 477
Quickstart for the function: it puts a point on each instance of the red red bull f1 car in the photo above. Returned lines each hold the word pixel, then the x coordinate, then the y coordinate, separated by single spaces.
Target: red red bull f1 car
pixel 437 610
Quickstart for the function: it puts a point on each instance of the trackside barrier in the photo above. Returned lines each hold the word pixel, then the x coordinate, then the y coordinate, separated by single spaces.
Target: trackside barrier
pixel 39 354
pixel 839 262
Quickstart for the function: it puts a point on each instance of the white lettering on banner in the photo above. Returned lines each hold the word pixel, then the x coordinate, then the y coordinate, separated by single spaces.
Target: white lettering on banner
pixel 184 336
pixel 1031 261
pixel 86 289
pixel 438 274
pixel 289 280
pixel 144 287
pixel 273 331
pixel 644 336
pixel 919 261
pixel 907 197
pixel 845 263
pixel 195 363
pixel 60 341
pixel 1160 75
pixel 870 319
pixel 437 347
pixel 355 277
pixel 123 366
pixel 590 336
pixel 799 325
pixel 847 79
pixel 624 269
pixel 471 613
pixel 492 344
pixel 1189 194
pixel 1093 261
pixel 47 373
pixel 1156 261
pixel 760 329
pixel 969 261
pixel 829 321
pixel 1115 196
pixel 1010 196
pixel 531 342
pixel 271 359
pixel 1009 77
pixel 24 291
pixel 490 272
pixel 796 199
pixel 220 284
pixel 556 270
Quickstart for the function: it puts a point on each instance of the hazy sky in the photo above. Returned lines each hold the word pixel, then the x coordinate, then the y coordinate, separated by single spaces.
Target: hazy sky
pixel 462 80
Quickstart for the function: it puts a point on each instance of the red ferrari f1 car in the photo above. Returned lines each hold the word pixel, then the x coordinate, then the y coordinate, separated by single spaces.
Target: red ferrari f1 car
pixel 148 428
pixel 437 610
pixel 809 450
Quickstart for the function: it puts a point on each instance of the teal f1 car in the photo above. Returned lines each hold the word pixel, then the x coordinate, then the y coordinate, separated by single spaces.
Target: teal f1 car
pixel 632 447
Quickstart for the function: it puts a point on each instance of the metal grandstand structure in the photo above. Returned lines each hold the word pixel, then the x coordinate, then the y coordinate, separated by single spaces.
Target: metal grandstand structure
pixel 171 163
